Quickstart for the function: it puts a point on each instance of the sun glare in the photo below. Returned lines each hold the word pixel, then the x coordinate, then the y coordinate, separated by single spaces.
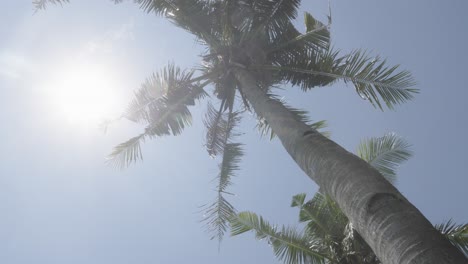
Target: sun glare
pixel 84 94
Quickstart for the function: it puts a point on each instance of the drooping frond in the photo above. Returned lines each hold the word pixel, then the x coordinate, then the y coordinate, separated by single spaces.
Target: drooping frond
pixel 457 234
pixel 215 125
pixel 300 115
pixel 373 80
pixel 385 154
pixel 230 163
pixel 289 246
pixel 217 216
pixel 219 143
pixel 127 152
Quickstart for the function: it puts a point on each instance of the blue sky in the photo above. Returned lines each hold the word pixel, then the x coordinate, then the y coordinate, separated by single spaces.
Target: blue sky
pixel 59 201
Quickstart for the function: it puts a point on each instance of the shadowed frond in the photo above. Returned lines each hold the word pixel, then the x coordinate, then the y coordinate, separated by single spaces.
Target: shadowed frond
pixel 288 245
pixel 457 234
pixel 385 154
pixel 301 115
pixel 219 142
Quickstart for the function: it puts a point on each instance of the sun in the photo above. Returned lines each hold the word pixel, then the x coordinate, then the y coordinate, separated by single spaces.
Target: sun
pixel 84 94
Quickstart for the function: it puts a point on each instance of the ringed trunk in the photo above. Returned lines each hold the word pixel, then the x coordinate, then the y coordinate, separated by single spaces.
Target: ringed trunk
pixel 396 231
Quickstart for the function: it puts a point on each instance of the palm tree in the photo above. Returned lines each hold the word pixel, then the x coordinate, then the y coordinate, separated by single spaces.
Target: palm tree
pixel 251 47
pixel 328 236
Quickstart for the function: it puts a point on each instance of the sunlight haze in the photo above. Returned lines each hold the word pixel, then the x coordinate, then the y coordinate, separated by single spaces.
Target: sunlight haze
pixel 65 69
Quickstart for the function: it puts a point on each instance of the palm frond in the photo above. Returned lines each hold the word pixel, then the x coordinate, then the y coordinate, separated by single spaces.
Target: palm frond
pixel 216 130
pixel 373 80
pixel 298 200
pixel 317 36
pixel 196 16
pixel 163 99
pixel 126 153
pixel 323 218
pixel 220 135
pixel 216 217
pixel 300 115
pixel 288 245
pixel 42 4
pixel 385 154
pixel 162 104
pixel 273 15
pixel 159 7
pixel 300 67
pixel 457 234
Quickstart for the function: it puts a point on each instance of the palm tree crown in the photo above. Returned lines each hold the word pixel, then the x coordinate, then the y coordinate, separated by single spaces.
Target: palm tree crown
pixel 258 36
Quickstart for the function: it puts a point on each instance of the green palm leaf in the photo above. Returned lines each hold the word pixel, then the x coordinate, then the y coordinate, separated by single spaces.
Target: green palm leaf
pixel 288 245
pixel 457 234
pixel 385 154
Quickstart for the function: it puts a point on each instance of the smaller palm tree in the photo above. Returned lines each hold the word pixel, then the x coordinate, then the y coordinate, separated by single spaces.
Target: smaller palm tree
pixel 328 236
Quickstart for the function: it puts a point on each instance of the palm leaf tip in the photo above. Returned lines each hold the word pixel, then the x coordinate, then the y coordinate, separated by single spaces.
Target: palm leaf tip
pixel 217 216
pixel 126 153
pixel 42 4
pixel 457 234
pixel 376 82
pixel 385 154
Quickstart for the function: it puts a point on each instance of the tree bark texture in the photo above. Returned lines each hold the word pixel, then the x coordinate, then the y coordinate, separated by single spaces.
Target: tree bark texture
pixel 396 231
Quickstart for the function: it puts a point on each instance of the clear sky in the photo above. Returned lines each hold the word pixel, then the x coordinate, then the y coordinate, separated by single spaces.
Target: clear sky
pixel 60 203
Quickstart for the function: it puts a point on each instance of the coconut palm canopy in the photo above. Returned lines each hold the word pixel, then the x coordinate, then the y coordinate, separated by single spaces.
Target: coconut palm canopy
pixel 64 205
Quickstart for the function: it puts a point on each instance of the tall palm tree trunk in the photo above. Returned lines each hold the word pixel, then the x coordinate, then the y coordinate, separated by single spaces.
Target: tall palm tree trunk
pixel 395 230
